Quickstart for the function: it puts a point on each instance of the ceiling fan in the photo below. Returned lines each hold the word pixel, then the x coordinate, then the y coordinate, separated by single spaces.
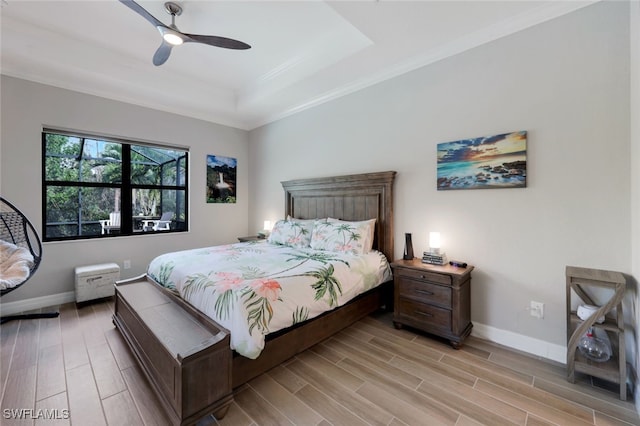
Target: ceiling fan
pixel 171 36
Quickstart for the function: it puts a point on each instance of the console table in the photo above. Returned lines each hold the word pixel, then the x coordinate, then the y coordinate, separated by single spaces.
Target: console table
pixel 615 369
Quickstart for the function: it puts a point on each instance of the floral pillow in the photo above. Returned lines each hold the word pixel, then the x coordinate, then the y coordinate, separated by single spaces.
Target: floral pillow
pixel 291 233
pixel 343 236
pixel 371 224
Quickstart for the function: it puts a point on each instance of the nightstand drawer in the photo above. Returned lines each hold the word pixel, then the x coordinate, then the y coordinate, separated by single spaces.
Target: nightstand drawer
pixel 424 275
pixel 426 316
pixel 424 292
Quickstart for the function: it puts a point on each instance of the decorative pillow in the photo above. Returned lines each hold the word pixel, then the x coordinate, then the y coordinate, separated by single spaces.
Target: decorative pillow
pixel 291 233
pixel 343 236
pixel 371 223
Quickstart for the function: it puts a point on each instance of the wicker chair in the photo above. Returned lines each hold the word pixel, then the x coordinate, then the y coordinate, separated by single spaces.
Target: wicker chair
pixel 16 230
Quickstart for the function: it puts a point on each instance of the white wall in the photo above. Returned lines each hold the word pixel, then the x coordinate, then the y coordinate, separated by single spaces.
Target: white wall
pixel 27 107
pixel 567 83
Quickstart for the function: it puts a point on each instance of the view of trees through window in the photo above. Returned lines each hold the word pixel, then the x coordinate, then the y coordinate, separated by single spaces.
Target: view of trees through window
pixel 94 187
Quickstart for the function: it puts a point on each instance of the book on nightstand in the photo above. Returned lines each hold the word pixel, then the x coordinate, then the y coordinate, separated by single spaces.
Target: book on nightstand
pixel 434 258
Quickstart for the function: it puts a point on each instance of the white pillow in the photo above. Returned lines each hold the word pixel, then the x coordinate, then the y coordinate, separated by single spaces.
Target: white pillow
pixel 291 233
pixel 343 236
pixel 371 223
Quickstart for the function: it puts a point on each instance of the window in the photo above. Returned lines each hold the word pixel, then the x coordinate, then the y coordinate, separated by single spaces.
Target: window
pixel 95 187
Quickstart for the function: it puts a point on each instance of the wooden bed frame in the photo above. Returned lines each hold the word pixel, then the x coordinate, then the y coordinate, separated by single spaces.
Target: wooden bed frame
pixel 352 197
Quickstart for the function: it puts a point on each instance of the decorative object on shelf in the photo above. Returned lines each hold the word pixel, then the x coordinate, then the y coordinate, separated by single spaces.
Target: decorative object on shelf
pixel 408 247
pixel 498 161
pixel 594 348
pixel 590 345
pixel 434 256
pixel 221 179
pixel 585 311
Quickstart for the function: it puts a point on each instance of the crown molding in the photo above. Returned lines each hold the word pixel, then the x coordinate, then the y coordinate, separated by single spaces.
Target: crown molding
pixel 543 13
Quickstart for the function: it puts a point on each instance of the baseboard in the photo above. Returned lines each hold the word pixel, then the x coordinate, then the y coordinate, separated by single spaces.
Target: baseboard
pixel 513 340
pixel 521 342
pixel 18 306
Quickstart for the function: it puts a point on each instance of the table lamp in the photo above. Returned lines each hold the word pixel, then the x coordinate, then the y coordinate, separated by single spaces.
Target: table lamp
pixel 434 256
pixel 266 229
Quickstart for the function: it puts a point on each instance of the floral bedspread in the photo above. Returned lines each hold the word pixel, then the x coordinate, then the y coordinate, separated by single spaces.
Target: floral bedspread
pixel 256 288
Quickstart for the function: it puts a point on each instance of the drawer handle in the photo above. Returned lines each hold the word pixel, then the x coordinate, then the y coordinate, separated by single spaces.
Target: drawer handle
pixel 426 314
pixel 94 279
pixel 428 293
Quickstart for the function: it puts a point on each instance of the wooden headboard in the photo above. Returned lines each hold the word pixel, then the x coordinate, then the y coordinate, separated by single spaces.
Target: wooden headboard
pixel 351 197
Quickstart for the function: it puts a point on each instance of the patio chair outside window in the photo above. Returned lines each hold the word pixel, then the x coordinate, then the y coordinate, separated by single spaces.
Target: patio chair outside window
pixel 163 224
pixel 111 224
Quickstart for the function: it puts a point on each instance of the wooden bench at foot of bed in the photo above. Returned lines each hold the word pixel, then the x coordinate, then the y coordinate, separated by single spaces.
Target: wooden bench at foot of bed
pixel 184 354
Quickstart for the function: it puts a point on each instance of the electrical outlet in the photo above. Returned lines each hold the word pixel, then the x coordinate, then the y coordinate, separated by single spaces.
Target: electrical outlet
pixel 127 264
pixel 537 309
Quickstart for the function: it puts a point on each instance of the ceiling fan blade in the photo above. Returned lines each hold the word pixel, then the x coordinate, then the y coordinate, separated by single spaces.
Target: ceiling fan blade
pixel 162 54
pixel 142 12
pixel 227 43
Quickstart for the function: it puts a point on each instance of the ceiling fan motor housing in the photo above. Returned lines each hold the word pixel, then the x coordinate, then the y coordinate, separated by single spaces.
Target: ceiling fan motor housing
pixel 173 9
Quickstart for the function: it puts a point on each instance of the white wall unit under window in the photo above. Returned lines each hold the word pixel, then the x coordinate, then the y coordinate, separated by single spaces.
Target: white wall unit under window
pixel 96 281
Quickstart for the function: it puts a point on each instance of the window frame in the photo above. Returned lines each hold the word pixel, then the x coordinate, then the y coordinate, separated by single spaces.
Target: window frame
pixel 126 187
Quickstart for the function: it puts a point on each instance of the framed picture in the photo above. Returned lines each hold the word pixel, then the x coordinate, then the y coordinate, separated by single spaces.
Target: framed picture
pixel 221 179
pixel 498 161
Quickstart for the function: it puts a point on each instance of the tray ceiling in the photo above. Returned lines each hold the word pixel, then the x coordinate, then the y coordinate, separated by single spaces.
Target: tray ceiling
pixel 303 52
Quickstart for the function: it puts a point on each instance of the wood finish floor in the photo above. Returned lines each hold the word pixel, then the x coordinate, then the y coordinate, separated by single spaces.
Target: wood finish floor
pixel 370 374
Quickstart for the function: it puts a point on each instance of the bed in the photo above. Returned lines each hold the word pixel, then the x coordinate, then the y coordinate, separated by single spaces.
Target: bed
pixel 351 199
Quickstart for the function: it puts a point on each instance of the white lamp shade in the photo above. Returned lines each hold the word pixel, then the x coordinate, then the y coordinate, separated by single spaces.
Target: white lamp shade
pixel 267 225
pixel 434 240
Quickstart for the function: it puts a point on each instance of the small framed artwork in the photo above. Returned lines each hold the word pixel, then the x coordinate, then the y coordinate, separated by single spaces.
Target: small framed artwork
pixel 221 179
pixel 498 161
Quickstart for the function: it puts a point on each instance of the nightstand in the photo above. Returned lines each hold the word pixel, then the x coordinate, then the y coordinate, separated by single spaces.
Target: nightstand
pixel 433 298
pixel 251 238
